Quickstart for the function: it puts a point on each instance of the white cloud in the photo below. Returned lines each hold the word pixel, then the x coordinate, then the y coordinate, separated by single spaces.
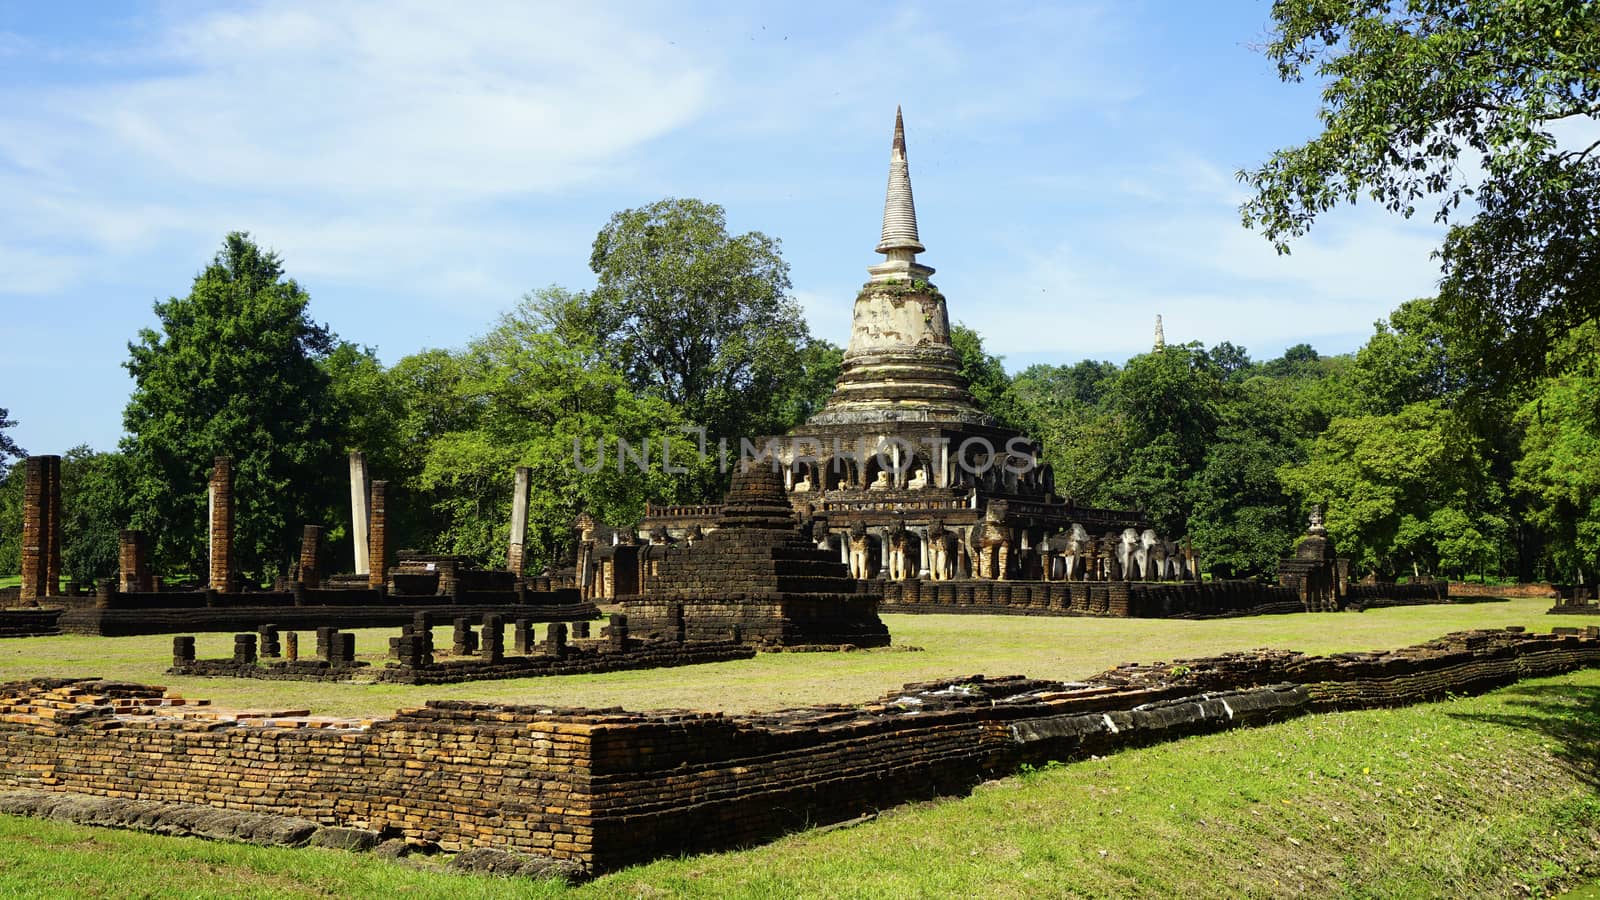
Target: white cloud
pixel 353 133
pixel 1076 295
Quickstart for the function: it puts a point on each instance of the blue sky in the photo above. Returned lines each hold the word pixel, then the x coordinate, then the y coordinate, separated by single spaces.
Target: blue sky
pixel 421 166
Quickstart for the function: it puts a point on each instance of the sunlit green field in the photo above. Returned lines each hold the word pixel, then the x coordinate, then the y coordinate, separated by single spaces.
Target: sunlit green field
pixel 1480 796
pixel 949 646
pixel 1492 795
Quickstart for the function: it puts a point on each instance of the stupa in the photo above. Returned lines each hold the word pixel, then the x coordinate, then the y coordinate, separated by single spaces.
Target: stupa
pixel 902 473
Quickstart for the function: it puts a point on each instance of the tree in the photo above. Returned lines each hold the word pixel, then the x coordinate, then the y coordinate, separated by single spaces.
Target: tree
pixel 233 371
pixel 11 522
pixel 1559 469
pixel 1242 520
pixel 95 507
pixel 1408 91
pixel 8 447
pixel 986 377
pixel 1407 360
pixel 682 309
pixel 1063 407
pixel 1168 403
pixel 1408 490
pixel 1232 361
pixel 541 402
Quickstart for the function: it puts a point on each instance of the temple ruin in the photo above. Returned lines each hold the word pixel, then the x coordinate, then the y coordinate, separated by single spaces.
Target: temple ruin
pixel 902 474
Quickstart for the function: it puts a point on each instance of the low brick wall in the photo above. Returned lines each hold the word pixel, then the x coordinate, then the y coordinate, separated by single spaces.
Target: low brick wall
pixel 29 622
pixel 1413 593
pixel 173 620
pixel 577 660
pixel 1536 590
pixel 1133 599
pixel 274 670
pixel 606 788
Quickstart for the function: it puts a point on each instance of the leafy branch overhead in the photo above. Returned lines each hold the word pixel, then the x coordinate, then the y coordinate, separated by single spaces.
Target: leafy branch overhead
pixel 1483 111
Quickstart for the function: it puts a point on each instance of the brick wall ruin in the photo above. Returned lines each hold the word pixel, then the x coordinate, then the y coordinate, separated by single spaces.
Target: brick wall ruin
pixel 311 556
pixel 607 788
pixel 133 561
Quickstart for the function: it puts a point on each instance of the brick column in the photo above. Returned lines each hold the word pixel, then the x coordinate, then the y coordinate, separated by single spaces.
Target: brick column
pixel 133 556
pixel 221 530
pixel 52 532
pixel 311 556
pixel 41 527
pixel 378 534
pixel 34 522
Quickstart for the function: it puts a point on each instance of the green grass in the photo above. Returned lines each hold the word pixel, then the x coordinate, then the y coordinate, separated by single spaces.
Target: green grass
pixel 1483 796
pixel 1065 648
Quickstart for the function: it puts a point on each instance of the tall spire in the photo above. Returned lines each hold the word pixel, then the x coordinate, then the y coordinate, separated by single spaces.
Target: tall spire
pixel 900 366
pixel 1161 336
pixel 899 211
pixel 899 242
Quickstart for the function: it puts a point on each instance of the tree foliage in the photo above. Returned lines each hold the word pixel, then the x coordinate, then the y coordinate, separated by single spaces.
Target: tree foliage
pixel 701 318
pixel 8 446
pixel 233 370
pixel 1433 102
pixel 1559 468
pixel 95 507
pixel 1407 491
pixel 541 402
pixel 986 376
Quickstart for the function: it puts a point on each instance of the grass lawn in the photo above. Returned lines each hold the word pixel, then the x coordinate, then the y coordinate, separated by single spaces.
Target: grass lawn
pixel 951 646
pixel 1479 796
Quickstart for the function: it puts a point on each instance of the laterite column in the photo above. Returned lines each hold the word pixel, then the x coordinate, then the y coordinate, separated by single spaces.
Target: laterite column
pixel 221 531
pixel 311 556
pixel 378 534
pixel 41 527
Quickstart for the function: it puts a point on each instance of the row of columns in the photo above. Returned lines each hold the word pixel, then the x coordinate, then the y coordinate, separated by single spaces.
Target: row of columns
pixel 41 532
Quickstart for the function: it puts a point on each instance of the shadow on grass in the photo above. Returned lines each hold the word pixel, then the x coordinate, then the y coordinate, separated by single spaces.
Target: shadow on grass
pixel 1566 714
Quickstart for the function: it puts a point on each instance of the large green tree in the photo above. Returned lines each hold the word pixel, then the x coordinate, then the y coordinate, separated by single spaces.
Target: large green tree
pixel 695 315
pixel 1064 408
pixel 986 376
pixel 1559 469
pixel 1408 492
pixel 1168 404
pixel 10 499
pixel 1241 518
pixel 233 370
pixel 95 506
pixel 1436 102
pixel 537 400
